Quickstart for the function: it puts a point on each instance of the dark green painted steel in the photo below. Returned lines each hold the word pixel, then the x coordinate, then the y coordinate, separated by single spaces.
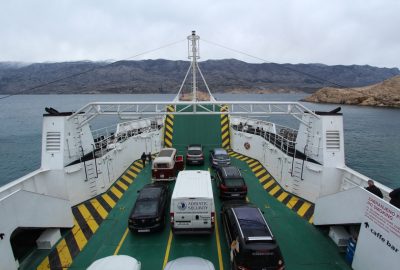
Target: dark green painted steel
pixel 203 129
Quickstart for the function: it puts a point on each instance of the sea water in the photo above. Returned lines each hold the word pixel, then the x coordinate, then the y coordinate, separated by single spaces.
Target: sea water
pixel 371 135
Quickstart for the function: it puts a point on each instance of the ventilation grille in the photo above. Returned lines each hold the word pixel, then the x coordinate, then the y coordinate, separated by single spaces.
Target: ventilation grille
pixel 53 141
pixel 333 140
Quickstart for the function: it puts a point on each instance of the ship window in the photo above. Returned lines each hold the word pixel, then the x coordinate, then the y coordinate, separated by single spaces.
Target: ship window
pixel 53 141
pixel 332 140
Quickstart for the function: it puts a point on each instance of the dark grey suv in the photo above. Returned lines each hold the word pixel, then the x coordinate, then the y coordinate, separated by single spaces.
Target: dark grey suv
pixel 148 213
pixel 230 182
pixel 251 242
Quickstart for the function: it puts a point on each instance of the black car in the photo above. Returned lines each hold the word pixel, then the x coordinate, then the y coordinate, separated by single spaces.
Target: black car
pixel 194 154
pixel 250 240
pixel 148 213
pixel 219 157
pixel 231 183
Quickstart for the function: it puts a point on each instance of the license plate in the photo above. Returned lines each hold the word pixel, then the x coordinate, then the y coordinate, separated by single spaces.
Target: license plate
pixel 235 195
pixel 144 230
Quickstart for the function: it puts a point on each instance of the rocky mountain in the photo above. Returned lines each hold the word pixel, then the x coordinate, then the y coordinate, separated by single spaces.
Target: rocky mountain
pixel 165 76
pixel 384 94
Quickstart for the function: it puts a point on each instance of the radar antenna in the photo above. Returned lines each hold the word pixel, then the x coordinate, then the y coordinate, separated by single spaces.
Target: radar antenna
pixel 194 54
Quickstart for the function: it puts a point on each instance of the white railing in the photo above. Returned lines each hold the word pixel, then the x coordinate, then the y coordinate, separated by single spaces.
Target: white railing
pixel 351 179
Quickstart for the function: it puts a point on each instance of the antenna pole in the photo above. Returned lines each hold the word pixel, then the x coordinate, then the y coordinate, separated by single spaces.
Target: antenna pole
pixel 194 54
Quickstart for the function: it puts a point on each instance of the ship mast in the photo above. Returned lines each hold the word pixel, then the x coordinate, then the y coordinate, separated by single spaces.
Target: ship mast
pixel 193 55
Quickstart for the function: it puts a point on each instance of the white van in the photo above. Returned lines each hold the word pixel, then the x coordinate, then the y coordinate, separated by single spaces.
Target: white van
pixel 192 203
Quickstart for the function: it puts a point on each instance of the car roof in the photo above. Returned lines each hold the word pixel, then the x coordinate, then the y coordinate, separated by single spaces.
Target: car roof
pixel 231 171
pixel 220 151
pixel 194 263
pixel 195 146
pixel 252 224
pixel 151 189
pixel 166 152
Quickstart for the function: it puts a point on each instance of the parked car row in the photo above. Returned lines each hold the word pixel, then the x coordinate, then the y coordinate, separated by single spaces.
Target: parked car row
pixel 249 238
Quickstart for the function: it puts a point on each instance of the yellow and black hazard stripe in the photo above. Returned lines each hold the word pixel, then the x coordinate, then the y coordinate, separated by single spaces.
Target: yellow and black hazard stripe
pixel 169 127
pixel 302 207
pixel 87 218
pixel 226 143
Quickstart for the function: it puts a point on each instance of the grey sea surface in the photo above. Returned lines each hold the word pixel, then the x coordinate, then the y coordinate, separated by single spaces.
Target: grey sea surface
pixel 372 135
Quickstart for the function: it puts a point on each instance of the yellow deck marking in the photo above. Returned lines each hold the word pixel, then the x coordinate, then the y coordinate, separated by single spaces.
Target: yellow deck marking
pixel 127 179
pixel 303 209
pixel 79 236
pixel 169 120
pixel 135 169
pixel 274 190
pixel 169 129
pixel 44 265
pixel 116 192
pixel 169 135
pixel 243 158
pixel 108 200
pixel 292 202
pixel 261 172
pixel 224 119
pixel 167 142
pixel 256 168
pixel 138 163
pixel 282 196
pixel 168 249
pixel 225 127
pixel 99 208
pixel 265 177
pixel 250 161
pixel 221 265
pixel 225 135
pixel 121 241
pixel 64 254
pixel 254 164
pixel 268 184
pixel 311 219
pixel 88 218
pixel 122 185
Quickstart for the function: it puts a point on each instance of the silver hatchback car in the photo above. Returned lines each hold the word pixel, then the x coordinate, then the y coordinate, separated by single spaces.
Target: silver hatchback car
pixel 219 157
pixel 192 263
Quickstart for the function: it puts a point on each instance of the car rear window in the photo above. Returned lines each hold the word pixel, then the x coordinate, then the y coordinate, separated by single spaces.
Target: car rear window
pixel 146 207
pixel 194 152
pixel 234 182
pixel 251 222
pixel 149 193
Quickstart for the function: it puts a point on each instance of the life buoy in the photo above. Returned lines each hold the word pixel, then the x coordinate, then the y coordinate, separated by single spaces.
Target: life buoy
pixel 247 145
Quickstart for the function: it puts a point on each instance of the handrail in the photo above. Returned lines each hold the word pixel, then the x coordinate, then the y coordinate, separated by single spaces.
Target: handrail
pixel 84 164
pixel 95 160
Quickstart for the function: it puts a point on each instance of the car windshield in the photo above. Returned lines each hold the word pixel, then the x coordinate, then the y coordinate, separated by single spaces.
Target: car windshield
pixel 149 194
pixel 145 208
pixel 221 156
pixel 234 182
pixel 194 152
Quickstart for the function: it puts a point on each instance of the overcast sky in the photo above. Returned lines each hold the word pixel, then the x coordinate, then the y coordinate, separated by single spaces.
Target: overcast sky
pixel 283 31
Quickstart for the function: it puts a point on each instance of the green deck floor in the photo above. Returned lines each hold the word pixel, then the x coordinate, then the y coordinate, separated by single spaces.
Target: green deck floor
pixel 303 246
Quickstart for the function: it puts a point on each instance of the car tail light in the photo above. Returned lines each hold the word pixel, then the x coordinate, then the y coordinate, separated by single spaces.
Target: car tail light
pixel 212 218
pixel 172 217
pixel 223 187
pixel 244 188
